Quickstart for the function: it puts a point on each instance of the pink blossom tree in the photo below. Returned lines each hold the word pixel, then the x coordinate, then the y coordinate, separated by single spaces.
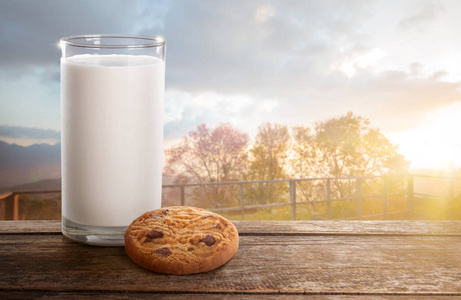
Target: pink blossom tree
pixel 207 156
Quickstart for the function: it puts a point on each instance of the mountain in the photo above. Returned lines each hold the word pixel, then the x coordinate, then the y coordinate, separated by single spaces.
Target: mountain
pixel 21 165
pixel 42 185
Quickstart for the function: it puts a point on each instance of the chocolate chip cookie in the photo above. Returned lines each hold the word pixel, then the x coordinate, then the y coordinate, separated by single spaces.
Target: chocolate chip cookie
pixel 181 240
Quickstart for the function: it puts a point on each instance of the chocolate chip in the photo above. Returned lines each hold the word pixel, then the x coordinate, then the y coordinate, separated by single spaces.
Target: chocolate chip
pixel 154 234
pixel 165 211
pixel 208 240
pixel 218 226
pixel 165 252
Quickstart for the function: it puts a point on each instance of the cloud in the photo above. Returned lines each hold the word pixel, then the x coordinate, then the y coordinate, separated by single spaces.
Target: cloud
pixel 184 111
pixel 349 63
pixel 243 63
pixel 32 99
pixel 251 46
pixel 17 132
pixel 425 15
pixel 404 100
pixel 290 56
pixel 30 31
pixel 264 13
pixel 393 100
pixel 29 60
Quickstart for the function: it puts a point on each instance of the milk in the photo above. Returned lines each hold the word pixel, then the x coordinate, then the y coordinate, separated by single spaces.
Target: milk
pixel 112 137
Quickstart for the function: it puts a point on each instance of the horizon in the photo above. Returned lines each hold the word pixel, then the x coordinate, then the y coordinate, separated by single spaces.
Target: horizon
pixel 420 170
pixel 391 62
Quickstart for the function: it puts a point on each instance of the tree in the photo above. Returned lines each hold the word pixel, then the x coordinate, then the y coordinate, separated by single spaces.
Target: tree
pixel 207 156
pixel 302 163
pixel 351 148
pixel 268 161
pixel 345 146
pixel 342 147
pixel 303 156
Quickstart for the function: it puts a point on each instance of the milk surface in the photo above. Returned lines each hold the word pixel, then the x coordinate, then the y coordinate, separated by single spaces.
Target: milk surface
pixel 112 137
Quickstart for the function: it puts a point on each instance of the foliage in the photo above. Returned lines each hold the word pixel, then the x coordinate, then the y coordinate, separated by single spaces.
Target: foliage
pixel 269 152
pixel 343 147
pixel 268 158
pixel 39 209
pixel 207 156
pixel 337 148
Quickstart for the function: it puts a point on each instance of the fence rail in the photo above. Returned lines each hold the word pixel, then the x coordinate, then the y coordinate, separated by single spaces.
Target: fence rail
pixel 293 203
pixel 11 199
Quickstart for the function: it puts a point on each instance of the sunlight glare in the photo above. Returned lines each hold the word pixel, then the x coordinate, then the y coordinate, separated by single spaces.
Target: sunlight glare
pixel 436 144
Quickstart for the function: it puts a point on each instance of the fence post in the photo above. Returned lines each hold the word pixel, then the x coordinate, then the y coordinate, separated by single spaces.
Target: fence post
pixel 410 194
pixel 358 197
pixel 385 194
pixel 183 201
pixel 293 199
pixel 451 198
pixel 242 208
pixel 328 187
pixel 12 207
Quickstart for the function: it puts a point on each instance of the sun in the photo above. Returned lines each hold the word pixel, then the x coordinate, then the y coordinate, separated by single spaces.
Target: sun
pixel 436 143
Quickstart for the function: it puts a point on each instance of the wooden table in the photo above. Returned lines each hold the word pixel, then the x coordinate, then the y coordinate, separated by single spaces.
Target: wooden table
pixel 287 259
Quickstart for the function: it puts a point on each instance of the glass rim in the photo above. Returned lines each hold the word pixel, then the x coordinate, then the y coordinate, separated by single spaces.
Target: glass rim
pixel 87 41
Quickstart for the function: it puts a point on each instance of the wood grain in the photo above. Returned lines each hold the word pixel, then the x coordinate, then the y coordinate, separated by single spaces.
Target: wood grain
pixel 130 295
pixel 30 227
pixel 403 227
pixel 319 258
pixel 133 295
pixel 333 227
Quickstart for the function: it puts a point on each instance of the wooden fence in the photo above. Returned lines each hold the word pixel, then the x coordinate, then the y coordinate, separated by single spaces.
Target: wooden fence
pixel 293 199
pixel 11 202
pixel 11 199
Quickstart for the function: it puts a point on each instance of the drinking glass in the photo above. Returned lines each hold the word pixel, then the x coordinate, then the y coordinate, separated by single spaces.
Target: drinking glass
pixel 112 93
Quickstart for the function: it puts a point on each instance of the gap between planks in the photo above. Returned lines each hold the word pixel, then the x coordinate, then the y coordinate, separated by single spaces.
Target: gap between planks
pixel 236 293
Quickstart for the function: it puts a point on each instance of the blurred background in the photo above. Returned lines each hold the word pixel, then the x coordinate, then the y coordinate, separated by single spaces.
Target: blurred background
pixel 362 96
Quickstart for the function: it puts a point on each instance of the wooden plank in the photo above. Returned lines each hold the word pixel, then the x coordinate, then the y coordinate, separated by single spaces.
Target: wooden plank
pixel 405 227
pixel 5 195
pixel 333 265
pixel 145 295
pixel 39 192
pixel 30 227
pixel 11 207
pixel 341 227
pixel 15 207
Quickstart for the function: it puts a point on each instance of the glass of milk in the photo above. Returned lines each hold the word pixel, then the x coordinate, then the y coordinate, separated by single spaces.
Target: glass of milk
pixel 112 90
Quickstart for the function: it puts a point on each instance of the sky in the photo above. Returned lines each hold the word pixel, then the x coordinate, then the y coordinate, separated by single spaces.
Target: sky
pixel 396 63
